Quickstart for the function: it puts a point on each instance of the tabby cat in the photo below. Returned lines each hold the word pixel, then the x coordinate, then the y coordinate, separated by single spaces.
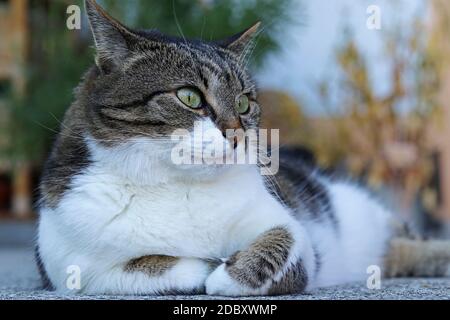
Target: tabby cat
pixel 115 206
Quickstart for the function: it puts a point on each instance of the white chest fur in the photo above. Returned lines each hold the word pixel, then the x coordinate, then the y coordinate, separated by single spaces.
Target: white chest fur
pixel 104 212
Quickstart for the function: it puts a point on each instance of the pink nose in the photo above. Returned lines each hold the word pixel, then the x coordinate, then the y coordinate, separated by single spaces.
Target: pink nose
pixel 231 125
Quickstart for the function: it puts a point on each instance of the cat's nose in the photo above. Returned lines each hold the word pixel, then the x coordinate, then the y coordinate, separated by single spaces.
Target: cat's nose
pixel 232 125
pixel 232 131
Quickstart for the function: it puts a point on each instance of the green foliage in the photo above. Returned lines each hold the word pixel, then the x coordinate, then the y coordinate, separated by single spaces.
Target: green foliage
pixel 208 19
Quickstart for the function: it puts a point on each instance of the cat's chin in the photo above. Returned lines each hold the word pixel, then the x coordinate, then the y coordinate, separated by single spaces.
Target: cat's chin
pixel 201 171
pixel 205 172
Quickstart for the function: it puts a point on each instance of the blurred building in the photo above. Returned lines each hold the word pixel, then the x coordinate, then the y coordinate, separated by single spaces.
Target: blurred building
pixel 13 44
pixel 14 181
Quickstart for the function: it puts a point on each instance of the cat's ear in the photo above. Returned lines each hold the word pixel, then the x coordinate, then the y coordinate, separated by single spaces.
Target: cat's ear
pixel 113 41
pixel 241 42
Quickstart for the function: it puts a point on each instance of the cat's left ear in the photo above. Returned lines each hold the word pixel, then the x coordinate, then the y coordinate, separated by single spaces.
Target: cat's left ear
pixel 241 41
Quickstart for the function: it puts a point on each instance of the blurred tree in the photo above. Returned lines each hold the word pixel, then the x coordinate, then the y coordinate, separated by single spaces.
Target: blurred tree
pixel 281 111
pixel 384 138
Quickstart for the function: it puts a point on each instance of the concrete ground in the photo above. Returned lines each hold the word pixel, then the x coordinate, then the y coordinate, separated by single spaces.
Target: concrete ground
pixel 19 279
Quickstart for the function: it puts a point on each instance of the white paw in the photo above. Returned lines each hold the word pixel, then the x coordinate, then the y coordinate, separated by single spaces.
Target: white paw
pixel 189 273
pixel 219 283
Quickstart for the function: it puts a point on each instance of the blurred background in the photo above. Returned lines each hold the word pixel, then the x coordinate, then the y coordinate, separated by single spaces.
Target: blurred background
pixel 373 104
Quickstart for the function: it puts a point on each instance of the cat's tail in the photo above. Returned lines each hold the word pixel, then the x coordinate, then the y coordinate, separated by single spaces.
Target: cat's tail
pixel 418 258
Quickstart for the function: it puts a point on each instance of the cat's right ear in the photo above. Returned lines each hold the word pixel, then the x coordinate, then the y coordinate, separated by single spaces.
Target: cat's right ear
pixel 242 42
pixel 113 41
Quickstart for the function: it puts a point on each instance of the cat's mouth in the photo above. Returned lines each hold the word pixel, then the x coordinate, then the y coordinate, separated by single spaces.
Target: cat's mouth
pixel 213 153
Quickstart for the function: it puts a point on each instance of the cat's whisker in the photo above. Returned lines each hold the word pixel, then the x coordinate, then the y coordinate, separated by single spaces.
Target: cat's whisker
pixel 45 127
pixel 203 27
pixel 249 47
pixel 250 50
pixel 177 22
pixel 275 188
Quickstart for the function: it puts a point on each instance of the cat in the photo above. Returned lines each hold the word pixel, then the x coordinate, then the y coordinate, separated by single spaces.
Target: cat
pixel 116 207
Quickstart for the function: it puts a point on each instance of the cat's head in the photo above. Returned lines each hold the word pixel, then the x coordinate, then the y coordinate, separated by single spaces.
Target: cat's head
pixel 147 85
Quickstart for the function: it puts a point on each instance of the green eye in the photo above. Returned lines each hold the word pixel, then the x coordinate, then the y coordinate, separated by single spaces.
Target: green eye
pixel 190 98
pixel 242 105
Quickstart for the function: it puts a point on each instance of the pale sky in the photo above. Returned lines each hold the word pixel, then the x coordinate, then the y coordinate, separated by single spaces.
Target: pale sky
pixel 307 53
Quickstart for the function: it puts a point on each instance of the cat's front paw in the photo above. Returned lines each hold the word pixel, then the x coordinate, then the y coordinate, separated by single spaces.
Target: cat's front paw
pixel 220 283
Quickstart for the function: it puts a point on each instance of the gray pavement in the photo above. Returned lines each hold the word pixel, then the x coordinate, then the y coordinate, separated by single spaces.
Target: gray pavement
pixel 19 279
